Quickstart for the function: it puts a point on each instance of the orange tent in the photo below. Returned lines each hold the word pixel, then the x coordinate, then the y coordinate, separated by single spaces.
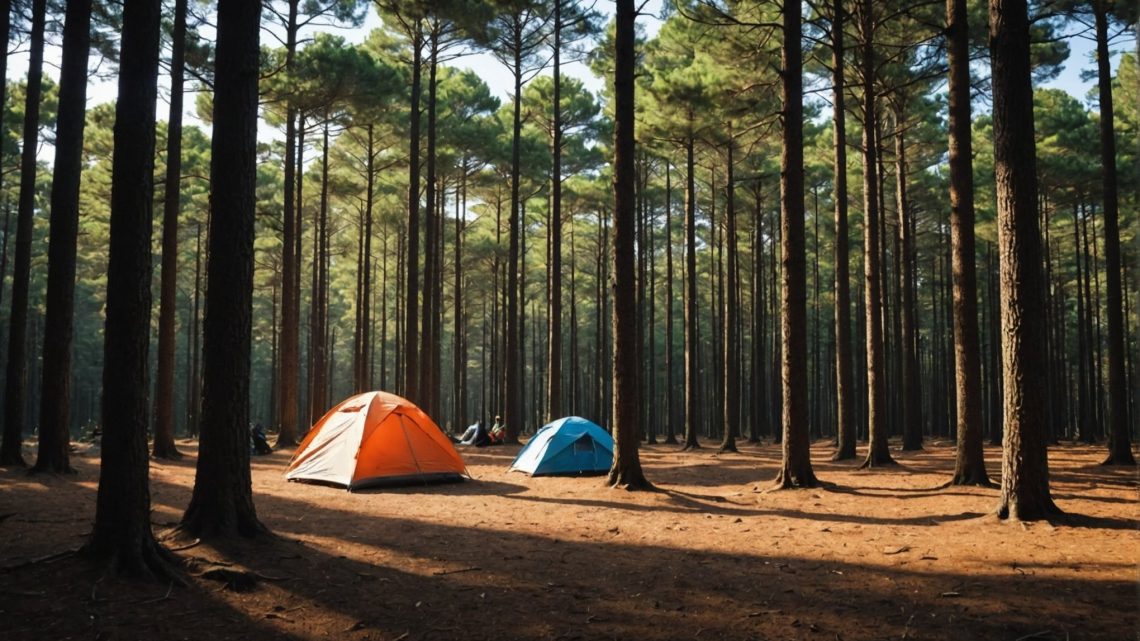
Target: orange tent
pixel 373 439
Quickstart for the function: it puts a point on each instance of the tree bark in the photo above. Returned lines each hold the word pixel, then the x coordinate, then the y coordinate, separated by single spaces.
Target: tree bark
pixel 222 501
pixel 1119 441
pixel 759 330
pixel 59 320
pixel 730 373
pixel 670 405
pixel 626 470
pixel 5 37
pixel 844 383
pixel 795 467
pixel 460 316
pixel 428 380
pixel 969 463
pixel 164 447
pixel 878 453
pixel 288 380
pixel 692 384
pixel 121 537
pixel 908 334
pixel 512 377
pixel 1025 465
pixel 412 260
pixel 554 292
pixel 363 376
pixel 16 379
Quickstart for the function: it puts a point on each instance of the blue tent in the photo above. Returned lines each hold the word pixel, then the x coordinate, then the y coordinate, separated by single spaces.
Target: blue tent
pixel 570 445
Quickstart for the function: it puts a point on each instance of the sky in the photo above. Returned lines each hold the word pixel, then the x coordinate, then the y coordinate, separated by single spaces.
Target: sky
pixel 498 78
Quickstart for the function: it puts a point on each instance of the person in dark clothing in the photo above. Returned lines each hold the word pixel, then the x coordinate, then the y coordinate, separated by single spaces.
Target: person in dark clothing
pixel 258 443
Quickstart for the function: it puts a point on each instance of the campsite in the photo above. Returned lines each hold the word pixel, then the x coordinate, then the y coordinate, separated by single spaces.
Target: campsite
pixel 509 556
pixel 397 320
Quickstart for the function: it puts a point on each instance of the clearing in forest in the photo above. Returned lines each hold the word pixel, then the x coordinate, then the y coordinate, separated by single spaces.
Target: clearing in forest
pixel 874 555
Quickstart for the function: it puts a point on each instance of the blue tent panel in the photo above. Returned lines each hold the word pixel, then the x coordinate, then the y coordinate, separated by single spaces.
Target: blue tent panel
pixel 571 445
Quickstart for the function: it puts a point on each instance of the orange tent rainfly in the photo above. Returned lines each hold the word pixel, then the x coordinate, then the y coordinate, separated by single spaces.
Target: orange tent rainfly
pixel 374 439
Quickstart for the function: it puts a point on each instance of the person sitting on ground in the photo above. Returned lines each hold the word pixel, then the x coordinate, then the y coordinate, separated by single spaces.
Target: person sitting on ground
pixel 472 433
pixel 498 431
pixel 258 443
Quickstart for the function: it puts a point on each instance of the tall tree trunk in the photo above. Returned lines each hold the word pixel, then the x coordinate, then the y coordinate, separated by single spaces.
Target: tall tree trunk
pixel 164 447
pixel 121 536
pixel 816 386
pixel 575 356
pixel 383 380
pixel 730 373
pixel 16 380
pixel 521 323
pixel 427 382
pixel 795 467
pixel 288 381
pixel 1025 465
pixel 5 37
pixel 554 291
pixel 364 372
pixel 969 463
pixel 877 452
pixel 1088 355
pixel 459 333
pixel 302 401
pixel 194 390
pixel 692 382
pixel 640 214
pixel 412 260
pixel 670 395
pixel 1119 441
pixel 7 235
pixel 651 308
pixel 59 321
pixel 222 501
pixel 318 343
pixel 759 331
pixel 844 383
pixel 626 471
pixel 995 360
pixel 1097 342
pixel 908 334
pixel 512 378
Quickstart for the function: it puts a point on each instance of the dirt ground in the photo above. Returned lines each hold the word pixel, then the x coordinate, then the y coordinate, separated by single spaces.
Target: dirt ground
pixel 875 555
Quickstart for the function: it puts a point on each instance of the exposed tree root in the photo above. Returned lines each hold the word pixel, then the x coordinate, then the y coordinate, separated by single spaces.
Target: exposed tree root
pixel 629 481
pixel 1048 511
pixel 872 461
pixel 788 480
pixel 144 559
pixel 976 478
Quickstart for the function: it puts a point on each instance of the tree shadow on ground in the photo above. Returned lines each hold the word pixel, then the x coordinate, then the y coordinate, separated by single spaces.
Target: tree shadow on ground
pixel 424 580
pixel 363 575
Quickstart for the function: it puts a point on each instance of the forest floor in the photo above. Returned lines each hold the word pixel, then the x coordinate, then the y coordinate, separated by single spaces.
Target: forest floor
pixel 711 555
